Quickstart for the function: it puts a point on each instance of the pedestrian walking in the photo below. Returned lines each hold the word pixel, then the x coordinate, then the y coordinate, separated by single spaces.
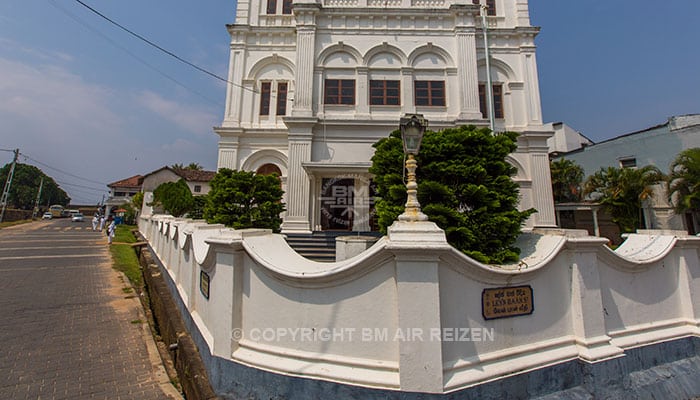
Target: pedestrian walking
pixel 95 221
pixel 102 222
pixel 110 229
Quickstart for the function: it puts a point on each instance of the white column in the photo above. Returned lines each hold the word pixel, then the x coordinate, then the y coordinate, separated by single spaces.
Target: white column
pixel 228 151
pixel 234 94
pixel 542 196
pixel 468 75
pixel 297 218
pixel 408 104
pixel 596 227
pixel 361 202
pixel 362 93
pixel 304 73
pixel 532 90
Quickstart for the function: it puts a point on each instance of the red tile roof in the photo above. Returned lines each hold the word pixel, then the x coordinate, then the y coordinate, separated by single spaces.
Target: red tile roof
pixel 133 182
pixel 195 176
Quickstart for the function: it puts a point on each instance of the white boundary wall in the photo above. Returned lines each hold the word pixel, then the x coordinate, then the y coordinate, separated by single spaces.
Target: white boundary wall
pixel 371 320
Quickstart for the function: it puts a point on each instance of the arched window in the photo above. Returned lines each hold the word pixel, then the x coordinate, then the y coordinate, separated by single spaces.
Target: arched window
pixel 269 169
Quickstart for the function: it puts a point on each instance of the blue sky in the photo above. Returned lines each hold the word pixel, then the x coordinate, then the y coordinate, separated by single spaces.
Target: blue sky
pixel 95 105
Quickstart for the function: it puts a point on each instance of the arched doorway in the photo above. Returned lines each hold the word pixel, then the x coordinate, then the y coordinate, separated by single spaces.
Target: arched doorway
pixel 269 169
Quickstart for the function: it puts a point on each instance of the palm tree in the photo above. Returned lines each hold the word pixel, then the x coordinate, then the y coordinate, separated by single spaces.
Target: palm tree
pixel 566 180
pixel 684 181
pixel 621 191
pixel 191 166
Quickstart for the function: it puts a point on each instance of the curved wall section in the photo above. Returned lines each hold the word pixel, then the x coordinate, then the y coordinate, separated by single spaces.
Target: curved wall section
pixel 412 314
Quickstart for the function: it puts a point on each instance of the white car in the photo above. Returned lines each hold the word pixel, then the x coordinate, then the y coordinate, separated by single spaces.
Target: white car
pixel 47 215
pixel 77 217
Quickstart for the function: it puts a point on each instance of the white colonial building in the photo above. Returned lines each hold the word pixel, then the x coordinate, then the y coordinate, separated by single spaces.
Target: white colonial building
pixel 314 83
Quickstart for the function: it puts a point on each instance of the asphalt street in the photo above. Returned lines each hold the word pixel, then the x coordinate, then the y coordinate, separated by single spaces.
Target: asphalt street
pixel 70 328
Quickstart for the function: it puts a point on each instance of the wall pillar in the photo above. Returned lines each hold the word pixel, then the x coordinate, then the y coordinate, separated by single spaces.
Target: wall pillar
pixel 418 300
pixel 297 218
pixel 587 303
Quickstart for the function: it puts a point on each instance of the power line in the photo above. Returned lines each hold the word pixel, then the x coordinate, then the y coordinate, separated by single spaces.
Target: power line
pixel 61 171
pixel 81 186
pixel 127 51
pixel 149 42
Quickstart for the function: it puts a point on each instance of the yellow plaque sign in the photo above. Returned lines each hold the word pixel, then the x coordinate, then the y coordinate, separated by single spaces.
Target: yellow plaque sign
pixel 507 302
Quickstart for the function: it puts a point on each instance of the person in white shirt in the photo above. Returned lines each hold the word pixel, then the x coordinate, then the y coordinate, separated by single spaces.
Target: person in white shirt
pixel 110 229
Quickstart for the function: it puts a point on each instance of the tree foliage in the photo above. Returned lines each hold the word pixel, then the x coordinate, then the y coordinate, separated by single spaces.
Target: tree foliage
pixel 25 187
pixel 175 198
pixel 684 181
pixel 198 208
pixel 137 200
pixel 241 199
pixel 567 177
pixel 621 191
pixel 191 166
pixel 464 186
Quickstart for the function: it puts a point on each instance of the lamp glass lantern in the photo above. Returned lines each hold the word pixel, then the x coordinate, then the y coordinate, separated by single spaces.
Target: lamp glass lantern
pixel 412 130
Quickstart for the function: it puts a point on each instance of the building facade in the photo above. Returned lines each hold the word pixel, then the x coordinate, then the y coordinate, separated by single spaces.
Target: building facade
pixel 197 181
pixel 121 192
pixel 658 146
pixel 314 83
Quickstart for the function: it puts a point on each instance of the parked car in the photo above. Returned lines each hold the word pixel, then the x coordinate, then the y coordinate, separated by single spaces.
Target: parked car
pixel 47 215
pixel 77 217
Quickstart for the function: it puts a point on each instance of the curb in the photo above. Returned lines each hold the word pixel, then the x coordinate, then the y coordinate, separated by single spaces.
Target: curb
pixel 169 323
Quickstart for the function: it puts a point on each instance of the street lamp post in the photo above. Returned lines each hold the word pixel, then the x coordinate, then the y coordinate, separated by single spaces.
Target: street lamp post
pixel 412 129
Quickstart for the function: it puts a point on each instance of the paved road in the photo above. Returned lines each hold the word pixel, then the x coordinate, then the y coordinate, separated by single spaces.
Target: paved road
pixel 68 328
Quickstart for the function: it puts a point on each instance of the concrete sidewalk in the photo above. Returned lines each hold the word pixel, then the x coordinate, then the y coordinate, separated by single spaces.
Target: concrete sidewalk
pixel 70 327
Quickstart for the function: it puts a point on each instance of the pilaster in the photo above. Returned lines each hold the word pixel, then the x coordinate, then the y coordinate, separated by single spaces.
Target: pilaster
pixel 418 300
pixel 468 74
pixel 305 15
pixel 586 302
pixel 297 218
pixel 542 196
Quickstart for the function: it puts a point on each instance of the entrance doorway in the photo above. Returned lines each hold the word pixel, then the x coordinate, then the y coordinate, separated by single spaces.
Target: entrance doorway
pixel 337 204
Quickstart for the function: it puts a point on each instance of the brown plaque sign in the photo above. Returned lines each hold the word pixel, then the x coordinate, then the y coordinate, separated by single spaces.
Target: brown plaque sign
pixel 204 284
pixel 507 302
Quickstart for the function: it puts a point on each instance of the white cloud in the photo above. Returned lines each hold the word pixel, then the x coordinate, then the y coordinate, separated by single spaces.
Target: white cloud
pixel 9 45
pixel 182 115
pixel 50 103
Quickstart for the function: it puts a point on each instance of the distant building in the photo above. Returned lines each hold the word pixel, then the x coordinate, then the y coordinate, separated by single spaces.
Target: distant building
pixel 659 146
pixel 565 139
pixel 121 192
pixel 197 181
pixel 314 83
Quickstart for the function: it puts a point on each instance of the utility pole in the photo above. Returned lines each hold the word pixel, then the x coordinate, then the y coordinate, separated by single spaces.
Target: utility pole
pixel 38 195
pixel 8 183
pixel 489 83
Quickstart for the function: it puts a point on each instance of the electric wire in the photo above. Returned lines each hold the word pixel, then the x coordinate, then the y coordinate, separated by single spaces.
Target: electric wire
pixel 131 54
pixel 151 43
pixel 81 186
pixel 61 171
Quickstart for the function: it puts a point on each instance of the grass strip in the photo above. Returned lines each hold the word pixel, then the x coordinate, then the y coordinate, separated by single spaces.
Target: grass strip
pixel 124 256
